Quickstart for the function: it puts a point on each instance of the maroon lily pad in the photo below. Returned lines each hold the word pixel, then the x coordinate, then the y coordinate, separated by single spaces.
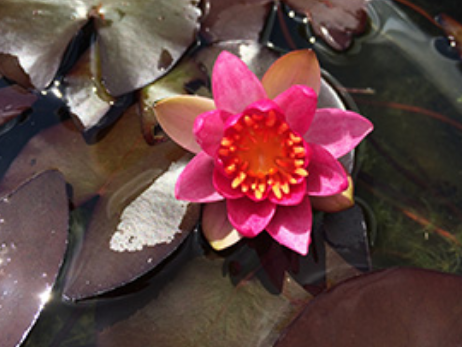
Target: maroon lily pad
pixel 335 21
pixel 33 234
pixel 132 46
pixel 86 96
pixel 203 307
pixel 397 307
pixel 235 20
pixel 118 169
pixel 38 32
pixel 14 100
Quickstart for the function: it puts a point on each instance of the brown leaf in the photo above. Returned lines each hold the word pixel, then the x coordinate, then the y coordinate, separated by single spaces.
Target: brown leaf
pixel 396 307
pixel 33 234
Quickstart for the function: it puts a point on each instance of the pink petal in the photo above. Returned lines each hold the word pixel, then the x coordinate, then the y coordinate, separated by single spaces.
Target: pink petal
pixel 326 175
pixel 250 217
pixel 208 129
pixel 176 116
pixel 299 105
pixel 223 185
pixel 195 182
pixel 297 193
pixel 296 67
pixel 291 226
pixel 216 227
pixel 234 86
pixel 338 131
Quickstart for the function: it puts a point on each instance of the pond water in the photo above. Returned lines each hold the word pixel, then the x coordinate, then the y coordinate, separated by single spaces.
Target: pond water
pixel 402 74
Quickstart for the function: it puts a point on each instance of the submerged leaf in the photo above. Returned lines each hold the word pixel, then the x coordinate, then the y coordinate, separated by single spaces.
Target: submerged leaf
pixel 202 307
pixel 397 307
pixel 33 234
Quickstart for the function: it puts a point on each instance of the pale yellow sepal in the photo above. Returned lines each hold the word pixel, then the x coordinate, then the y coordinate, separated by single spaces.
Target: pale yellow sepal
pixel 217 229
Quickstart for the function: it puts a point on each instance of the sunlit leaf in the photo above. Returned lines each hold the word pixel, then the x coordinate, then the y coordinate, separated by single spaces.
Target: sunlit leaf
pixel 117 169
pixel 140 40
pixel 398 307
pixel 335 21
pixel 202 307
pixel 33 234
pixel 38 32
pixel 186 78
pixel 86 97
pixel 133 47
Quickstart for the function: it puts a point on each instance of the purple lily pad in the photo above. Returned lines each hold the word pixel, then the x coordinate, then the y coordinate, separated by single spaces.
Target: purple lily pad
pixel 33 234
pixel 335 21
pixel 396 307
pixel 118 170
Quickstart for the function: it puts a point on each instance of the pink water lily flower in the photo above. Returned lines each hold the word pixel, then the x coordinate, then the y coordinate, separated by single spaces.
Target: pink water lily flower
pixel 265 156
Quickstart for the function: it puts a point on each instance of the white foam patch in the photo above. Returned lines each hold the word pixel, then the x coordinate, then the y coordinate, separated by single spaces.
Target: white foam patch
pixel 153 217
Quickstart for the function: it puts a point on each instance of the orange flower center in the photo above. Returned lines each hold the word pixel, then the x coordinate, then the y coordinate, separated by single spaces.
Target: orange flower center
pixel 260 153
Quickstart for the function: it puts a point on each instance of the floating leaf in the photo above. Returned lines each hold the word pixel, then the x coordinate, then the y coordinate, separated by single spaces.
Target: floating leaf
pixel 397 307
pixel 120 246
pixel 235 20
pixel 202 307
pixel 86 96
pixel 133 47
pixel 14 100
pixel 33 234
pixel 186 78
pixel 38 32
pixel 117 169
pixel 335 21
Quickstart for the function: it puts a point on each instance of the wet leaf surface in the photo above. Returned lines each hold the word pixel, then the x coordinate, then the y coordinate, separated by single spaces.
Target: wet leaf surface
pixel 33 234
pixel 14 100
pixel 86 97
pixel 234 20
pixel 396 307
pixel 207 304
pixel 38 32
pixel 28 26
pixel 115 171
pixel 335 21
